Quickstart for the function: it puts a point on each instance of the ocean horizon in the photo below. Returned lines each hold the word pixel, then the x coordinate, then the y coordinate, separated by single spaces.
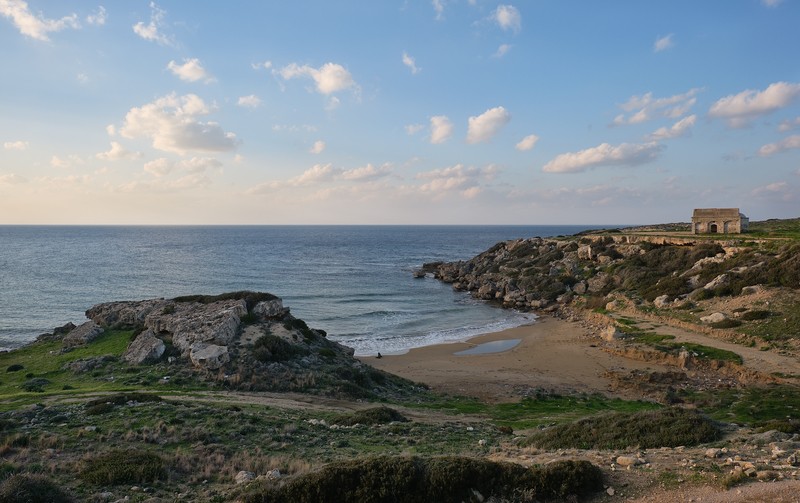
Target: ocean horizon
pixel 353 281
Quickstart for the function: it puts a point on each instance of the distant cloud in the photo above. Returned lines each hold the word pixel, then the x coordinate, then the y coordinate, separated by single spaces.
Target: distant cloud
pixel 12 179
pixel 663 43
pixel 681 128
pixel 68 162
pixel 329 78
pixel 250 101
pixel 771 3
pixel 508 18
pixel 324 173
pixel 777 190
pixel 159 167
pixel 366 173
pixel 645 108
pixel 460 179
pixel 410 63
pixel 152 31
pixel 483 127
pixel 16 145
pixel 438 8
pixel 441 129
pixel 190 71
pixel 626 154
pixel 171 122
pixel 194 166
pixel 35 25
pixel 527 143
pixel 118 153
pixel 740 109
pixel 98 18
pixel 789 143
pixel 789 125
pixel 413 129
pixel 501 51
pixel 266 65
pixel 318 147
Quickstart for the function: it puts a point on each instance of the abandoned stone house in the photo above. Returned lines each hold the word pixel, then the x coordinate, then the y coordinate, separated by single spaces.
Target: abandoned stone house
pixel 719 220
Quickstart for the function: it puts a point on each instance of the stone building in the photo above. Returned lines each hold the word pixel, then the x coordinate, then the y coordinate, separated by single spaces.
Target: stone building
pixel 719 220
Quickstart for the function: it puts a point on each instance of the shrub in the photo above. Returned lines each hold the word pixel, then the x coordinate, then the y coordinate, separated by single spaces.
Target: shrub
pixel 375 415
pixel 411 479
pixel 271 348
pixel 36 384
pixel 647 429
pixel 726 323
pixel 123 467
pixel 15 368
pixel 28 488
pixel 250 298
pixel 755 315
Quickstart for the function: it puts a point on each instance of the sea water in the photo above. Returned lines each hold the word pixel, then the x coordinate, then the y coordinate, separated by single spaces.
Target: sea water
pixel 355 282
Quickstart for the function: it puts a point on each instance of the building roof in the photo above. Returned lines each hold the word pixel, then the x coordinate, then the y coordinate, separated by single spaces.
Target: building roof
pixel 716 212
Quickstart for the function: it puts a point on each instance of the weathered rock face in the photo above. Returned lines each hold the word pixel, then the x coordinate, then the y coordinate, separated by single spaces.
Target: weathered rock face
pixel 83 334
pixel 209 356
pixel 190 322
pixel 146 348
pixel 270 309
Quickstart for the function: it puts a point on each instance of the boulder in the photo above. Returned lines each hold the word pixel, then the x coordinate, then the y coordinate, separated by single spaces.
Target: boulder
pixel 209 356
pixel 244 476
pixel 662 301
pixel 630 461
pixel 714 318
pixel 146 348
pixel 750 290
pixel 125 314
pixel 83 334
pixel 579 287
pixel 719 281
pixel 610 333
pixel 273 308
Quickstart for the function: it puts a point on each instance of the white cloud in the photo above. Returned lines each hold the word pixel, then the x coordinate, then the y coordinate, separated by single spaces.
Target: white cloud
pixel 645 108
pixel 663 43
pixel 771 3
pixel 329 78
pixel 740 108
pixel 681 128
pixel 508 18
pixel 190 71
pixel 294 128
pixel 171 122
pixel 410 63
pixel 501 51
pixel 266 65
pixel 16 145
pixel 365 173
pixel 35 26
pixel 315 174
pixel 626 154
pixel 483 127
pixel 459 178
pixel 333 104
pixel 438 7
pixel 12 179
pixel 159 167
pixel 152 31
pixel 98 18
pixel 118 153
pixel 441 129
pixel 318 147
pixel 788 143
pixel 83 78
pixel 250 101
pixel 413 129
pixel 527 143
pixel 60 163
pixel 789 125
pixel 773 189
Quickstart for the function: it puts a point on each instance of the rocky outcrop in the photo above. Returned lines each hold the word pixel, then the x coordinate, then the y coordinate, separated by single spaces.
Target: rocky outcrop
pixel 146 348
pixel 83 334
pixel 209 356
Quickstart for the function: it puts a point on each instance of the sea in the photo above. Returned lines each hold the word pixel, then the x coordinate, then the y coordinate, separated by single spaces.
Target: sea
pixel 354 282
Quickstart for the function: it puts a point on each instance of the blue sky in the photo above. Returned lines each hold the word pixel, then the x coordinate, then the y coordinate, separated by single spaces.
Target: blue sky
pixel 396 112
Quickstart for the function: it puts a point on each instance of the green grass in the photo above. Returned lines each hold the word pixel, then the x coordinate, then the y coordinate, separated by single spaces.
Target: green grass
pixel 540 411
pixel 661 343
pixel 775 406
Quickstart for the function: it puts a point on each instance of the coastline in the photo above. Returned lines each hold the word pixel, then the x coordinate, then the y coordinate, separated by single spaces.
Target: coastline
pixel 553 355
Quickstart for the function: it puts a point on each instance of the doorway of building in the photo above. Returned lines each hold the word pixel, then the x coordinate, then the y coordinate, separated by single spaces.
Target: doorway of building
pixel 712 228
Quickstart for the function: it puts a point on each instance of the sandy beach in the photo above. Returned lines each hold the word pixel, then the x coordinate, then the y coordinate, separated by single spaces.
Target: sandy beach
pixel 553 355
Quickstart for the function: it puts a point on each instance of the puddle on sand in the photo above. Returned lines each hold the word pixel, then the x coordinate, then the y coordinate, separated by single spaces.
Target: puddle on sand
pixel 490 347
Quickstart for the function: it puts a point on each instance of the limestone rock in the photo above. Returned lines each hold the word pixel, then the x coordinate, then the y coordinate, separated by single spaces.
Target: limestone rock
pixel 714 318
pixel 125 314
pixel 719 281
pixel 630 461
pixel 244 476
pixel 750 290
pixel 83 334
pixel 610 333
pixel 579 287
pixel 146 348
pixel 270 309
pixel 662 301
pixel 209 356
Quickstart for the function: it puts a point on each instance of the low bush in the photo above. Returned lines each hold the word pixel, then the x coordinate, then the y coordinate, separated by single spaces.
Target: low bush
pixel 29 488
pixel 250 298
pixel 36 384
pixel 271 348
pixel 123 467
pixel 669 427
pixel 15 368
pixel 375 415
pixel 726 323
pixel 755 315
pixel 411 479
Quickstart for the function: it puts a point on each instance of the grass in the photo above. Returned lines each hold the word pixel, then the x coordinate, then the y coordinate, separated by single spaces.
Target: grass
pixel 545 409
pixel 669 427
pixel 773 407
pixel 661 343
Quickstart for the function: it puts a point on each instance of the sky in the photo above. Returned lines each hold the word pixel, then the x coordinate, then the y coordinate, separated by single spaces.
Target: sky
pixel 397 111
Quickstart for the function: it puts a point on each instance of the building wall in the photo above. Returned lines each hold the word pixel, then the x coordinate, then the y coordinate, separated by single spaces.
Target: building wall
pixel 723 222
